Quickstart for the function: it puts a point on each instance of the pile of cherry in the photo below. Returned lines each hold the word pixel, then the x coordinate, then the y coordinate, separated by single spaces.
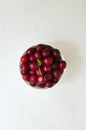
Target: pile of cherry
pixel 42 66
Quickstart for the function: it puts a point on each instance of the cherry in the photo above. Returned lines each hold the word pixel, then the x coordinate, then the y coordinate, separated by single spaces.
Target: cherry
pixel 55 80
pixel 55 65
pixel 31 72
pixel 39 72
pixel 41 79
pixel 56 53
pixel 33 66
pixel 40 47
pixel 30 51
pixel 24 59
pixel 26 77
pixel 37 55
pixel 62 64
pixel 48 60
pixel 32 58
pixel 41 85
pixel 24 68
pixel 58 59
pixel 57 73
pixel 47 68
pixel 48 47
pixel 49 76
pixel 49 84
pixel 46 53
pixel 33 79
pixel 32 83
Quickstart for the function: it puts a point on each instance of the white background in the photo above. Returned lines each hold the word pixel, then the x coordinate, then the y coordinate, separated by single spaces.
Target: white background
pixel 62 24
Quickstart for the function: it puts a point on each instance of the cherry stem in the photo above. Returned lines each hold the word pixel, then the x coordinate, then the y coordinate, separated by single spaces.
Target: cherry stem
pixel 39 64
pixel 40 70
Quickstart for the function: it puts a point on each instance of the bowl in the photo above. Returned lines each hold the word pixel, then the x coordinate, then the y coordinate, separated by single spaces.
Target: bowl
pixel 42 66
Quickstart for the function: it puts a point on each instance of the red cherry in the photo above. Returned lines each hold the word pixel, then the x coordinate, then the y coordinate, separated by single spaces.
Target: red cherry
pixel 24 59
pixel 62 64
pixel 30 51
pixel 37 55
pixel 39 72
pixel 33 79
pixel 58 59
pixel 56 53
pixel 41 85
pixel 32 58
pixel 45 53
pixel 57 73
pixel 32 84
pixel 55 80
pixel 47 68
pixel 48 60
pixel 40 47
pixel 26 77
pixel 31 72
pixel 49 76
pixel 24 68
pixel 55 65
pixel 49 84
pixel 41 79
pixel 48 47
pixel 33 66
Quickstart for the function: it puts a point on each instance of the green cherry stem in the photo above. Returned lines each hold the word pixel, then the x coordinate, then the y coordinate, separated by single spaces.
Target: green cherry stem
pixel 39 64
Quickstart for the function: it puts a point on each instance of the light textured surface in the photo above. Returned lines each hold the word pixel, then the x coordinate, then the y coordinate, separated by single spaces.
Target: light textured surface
pixel 62 24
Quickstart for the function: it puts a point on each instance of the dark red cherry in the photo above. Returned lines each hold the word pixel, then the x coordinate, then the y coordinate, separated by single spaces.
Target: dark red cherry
pixel 49 76
pixel 26 77
pixel 62 64
pixel 47 68
pixel 24 68
pixel 55 65
pixel 56 80
pixel 40 47
pixel 37 55
pixel 48 60
pixel 58 59
pixel 46 53
pixel 33 66
pixel 41 85
pixel 39 72
pixel 24 59
pixel 48 47
pixel 33 79
pixel 32 84
pixel 32 58
pixel 31 72
pixel 49 84
pixel 30 51
pixel 57 73
pixel 56 53
pixel 41 79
